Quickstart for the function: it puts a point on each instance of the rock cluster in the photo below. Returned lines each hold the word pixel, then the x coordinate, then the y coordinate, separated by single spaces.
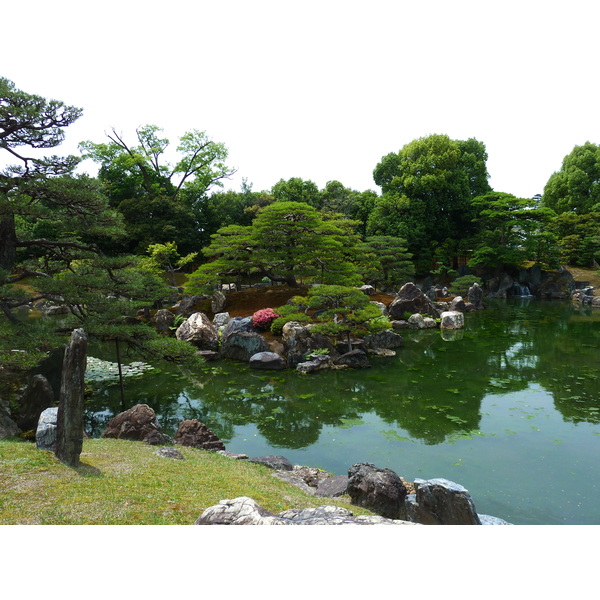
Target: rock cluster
pixel 435 501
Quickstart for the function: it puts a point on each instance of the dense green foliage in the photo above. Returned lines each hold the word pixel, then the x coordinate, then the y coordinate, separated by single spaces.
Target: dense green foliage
pixel 343 311
pixel 53 224
pixel 427 191
pixel 99 244
pixel 287 242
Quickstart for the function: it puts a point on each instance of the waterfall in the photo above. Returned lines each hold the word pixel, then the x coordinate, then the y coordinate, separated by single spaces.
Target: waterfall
pixel 521 290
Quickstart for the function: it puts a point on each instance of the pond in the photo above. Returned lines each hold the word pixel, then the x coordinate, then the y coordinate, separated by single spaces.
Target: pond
pixel 509 408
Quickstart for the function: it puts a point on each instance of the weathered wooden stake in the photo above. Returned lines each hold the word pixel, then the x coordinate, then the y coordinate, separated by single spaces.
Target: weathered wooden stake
pixel 69 425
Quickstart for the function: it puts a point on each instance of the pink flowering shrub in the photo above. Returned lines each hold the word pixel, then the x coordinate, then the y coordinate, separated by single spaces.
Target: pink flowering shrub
pixel 263 318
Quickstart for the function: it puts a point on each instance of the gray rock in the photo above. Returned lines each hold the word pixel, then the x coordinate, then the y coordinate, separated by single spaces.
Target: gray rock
pixel 245 511
pixel 279 463
pixel 45 435
pixel 198 330
pixel 239 511
pixel 243 345
pixel 488 520
pixel 381 306
pixel 8 428
pixel 337 485
pixel 267 360
pixel 379 490
pixel 475 295
pixel 442 502
pixel 163 321
pixel 237 325
pixel 218 302
pixel 318 362
pixel 295 480
pixel 458 304
pixel 452 319
pixel 384 339
pixel 232 455
pixel 167 452
pixel 410 299
pixel 356 359
pixel 295 341
pixel 221 319
pixel 367 289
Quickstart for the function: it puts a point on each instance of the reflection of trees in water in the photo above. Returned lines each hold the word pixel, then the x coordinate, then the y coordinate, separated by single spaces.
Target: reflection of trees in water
pixel 433 388
pixel 568 361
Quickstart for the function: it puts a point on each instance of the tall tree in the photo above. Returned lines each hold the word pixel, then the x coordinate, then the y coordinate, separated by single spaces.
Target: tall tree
pixel 146 188
pixel 297 190
pixel 286 242
pixel 430 183
pixel 49 218
pixel 576 187
pixel 511 231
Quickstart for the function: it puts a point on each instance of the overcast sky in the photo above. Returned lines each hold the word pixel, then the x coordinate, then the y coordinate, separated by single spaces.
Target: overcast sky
pixel 321 89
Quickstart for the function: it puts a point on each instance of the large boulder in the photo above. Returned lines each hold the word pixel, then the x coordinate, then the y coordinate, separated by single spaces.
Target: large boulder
pixel 441 502
pixel 138 423
pixel 246 511
pixel 163 321
pixel 355 359
pixel 475 296
pixel 45 435
pixel 218 302
pixel 197 435
pixel 237 325
pixel 418 321
pixel 34 398
pixel 295 338
pixel 243 345
pixel 384 339
pixel 410 299
pixel 452 319
pixel 379 490
pixel 199 331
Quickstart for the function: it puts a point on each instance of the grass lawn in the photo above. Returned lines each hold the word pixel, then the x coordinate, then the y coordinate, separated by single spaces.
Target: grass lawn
pixel 126 483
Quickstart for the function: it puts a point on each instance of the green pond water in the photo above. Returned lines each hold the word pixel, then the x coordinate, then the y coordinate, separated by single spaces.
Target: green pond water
pixel 509 408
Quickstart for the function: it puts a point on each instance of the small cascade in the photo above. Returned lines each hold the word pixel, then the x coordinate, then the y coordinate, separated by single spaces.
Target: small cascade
pixel 521 290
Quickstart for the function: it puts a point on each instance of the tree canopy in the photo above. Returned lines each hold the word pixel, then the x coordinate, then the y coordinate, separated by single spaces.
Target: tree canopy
pixel 287 241
pixel 427 188
pixel 147 189
pixel 576 187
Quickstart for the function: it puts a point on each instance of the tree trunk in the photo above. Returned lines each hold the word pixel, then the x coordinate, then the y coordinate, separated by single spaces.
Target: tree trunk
pixel 8 242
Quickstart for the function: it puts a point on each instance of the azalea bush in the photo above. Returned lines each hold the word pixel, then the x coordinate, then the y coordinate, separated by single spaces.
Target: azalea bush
pixel 263 318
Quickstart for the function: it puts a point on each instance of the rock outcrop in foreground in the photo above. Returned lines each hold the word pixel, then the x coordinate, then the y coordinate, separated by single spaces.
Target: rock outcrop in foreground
pixel 245 511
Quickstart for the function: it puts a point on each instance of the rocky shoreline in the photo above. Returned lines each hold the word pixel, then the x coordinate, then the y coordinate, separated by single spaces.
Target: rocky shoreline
pixel 393 499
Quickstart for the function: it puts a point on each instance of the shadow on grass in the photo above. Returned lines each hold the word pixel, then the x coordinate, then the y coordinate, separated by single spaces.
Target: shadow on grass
pixel 85 470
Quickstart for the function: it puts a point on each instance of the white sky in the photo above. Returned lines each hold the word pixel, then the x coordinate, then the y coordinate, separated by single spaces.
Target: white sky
pixel 321 89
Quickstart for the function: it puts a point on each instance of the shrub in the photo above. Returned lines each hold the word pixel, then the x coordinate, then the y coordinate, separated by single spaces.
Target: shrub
pixel 263 318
